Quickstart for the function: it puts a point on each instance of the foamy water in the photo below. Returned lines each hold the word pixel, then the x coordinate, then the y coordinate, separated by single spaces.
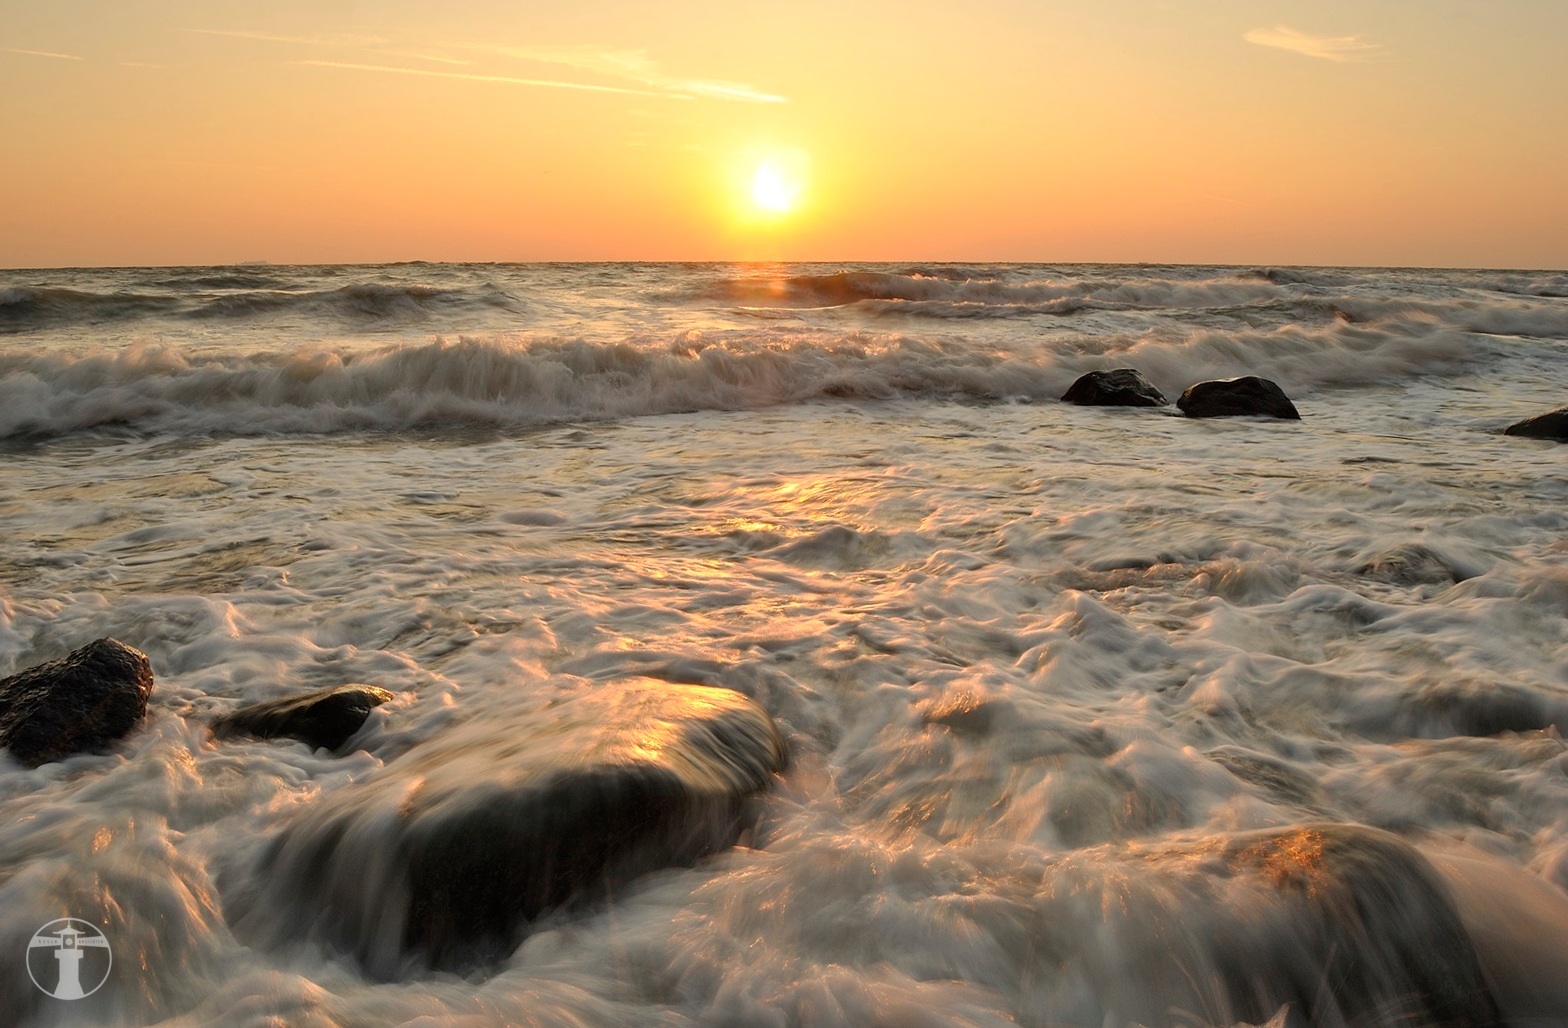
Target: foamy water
pixel 1022 651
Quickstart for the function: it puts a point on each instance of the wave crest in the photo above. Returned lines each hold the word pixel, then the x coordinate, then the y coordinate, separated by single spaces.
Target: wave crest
pixel 959 292
pixel 508 381
pixel 235 298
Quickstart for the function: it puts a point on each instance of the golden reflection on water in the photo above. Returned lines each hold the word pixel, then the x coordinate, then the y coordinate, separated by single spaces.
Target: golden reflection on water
pixel 1293 860
pixel 645 722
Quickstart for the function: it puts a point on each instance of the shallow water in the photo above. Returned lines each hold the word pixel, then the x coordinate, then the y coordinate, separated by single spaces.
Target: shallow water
pixel 1022 651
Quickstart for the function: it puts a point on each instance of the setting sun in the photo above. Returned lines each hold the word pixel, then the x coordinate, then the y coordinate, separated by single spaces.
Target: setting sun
pixel 778 185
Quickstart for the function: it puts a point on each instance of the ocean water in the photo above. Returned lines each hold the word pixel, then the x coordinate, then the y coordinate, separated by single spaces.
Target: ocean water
pixel 1033 661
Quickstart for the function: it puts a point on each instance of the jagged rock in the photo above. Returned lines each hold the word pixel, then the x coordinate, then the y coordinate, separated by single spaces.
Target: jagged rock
pixel 324 719
pixel 444 857
pixel 1237 397
pixel 1551 425
pixel 1342 924
pixel 83 701
pixel 1122 387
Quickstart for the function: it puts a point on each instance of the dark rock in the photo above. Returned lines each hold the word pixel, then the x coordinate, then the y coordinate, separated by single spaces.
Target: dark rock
pixel 1282 782
pixel 1237 397
pixel 83 701
pixel 444 857
pixel 1375 937
pixel 1479 711
pixel 1551 425
pixel 324 719
pixel 1414 564
pixel 1340 924
pixel 1123 387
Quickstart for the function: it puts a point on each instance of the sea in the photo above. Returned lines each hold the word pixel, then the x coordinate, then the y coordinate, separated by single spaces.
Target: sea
pixel 1035 663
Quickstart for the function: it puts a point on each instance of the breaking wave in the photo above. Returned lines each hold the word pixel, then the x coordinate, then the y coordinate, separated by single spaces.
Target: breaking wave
pixel 512 381
pixel 973 288
pixel 1500 304
pixel 240 297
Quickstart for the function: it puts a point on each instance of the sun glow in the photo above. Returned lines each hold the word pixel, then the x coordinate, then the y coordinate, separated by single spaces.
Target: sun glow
pixel 778 185
pixel 771 191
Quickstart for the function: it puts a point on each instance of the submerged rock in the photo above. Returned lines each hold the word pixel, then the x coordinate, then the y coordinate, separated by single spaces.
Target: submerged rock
pixel 83 701
pixel 1237 397
pixel 1478 710
pixel 1336 924
pixel 442 858
pixel 1375 939
pixel 1551 425
pixel 1122 387
pixel 324 719
pixel 1415 564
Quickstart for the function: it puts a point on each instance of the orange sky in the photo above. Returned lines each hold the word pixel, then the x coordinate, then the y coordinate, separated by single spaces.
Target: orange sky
pixel 185 132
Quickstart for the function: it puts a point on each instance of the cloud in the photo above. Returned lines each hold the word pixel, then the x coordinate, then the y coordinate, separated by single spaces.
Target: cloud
pixel 40 53
pixel 415 55
pixel 474 77
pixel 273 37
pixel 1329 48
pixel 629 71
pixel 635 66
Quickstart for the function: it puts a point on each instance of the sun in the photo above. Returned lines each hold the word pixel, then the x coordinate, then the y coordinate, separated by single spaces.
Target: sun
pixel 778 183
pixel 772 190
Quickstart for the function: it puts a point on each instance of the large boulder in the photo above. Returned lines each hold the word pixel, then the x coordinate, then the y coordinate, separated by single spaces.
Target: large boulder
pixel 1122 387
pixel 81 702
pixel 1551 425
pixel 1375 936
pixel 324 719
pixel 1237 397
pixel 443 858
pixel 1334 924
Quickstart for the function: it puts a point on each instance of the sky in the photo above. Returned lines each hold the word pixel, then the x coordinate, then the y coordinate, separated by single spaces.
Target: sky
pixel 1375 132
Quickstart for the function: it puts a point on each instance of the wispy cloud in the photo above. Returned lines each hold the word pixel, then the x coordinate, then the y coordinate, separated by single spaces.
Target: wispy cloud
pixel 1328 48
pixel 40 53
pixel 433 58
pixel 275 37
pixel 635 66
pixel 628 71
pixel 475 77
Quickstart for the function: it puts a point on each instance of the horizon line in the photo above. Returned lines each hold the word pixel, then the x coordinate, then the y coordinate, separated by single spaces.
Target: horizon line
pixel 935 261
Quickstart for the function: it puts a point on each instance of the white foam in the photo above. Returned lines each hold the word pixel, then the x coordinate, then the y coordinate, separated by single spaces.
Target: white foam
pixel 1022 652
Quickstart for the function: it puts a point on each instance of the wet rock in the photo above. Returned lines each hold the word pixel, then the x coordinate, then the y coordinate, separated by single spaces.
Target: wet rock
pixel 81 702
pixel 1237 397
pixel 1551 425
pixel 1452 709
pixel 324 719
pixel 1019 731
pixel 443 858
pixel 1336 924
pixel 969 714
pixel 1282 782
pixel 1375 937
pixel 1480 711
pixel 1415 564
pixel 1122 387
